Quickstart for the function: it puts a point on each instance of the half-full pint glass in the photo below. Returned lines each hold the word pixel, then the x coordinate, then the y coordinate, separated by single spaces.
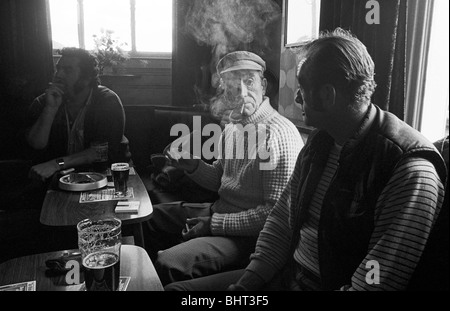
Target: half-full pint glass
pixel 99 242
pixel 120 173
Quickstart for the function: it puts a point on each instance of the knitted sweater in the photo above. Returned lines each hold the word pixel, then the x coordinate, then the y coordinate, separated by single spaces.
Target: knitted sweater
pixel 248 190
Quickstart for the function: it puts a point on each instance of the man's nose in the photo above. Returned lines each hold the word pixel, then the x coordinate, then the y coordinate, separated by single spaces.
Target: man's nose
pixel 243 90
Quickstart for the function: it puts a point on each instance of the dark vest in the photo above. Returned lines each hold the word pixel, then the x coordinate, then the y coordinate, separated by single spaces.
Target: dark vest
pixel 347 215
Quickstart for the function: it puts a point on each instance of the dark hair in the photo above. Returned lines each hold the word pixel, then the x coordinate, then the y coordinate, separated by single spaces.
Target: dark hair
pixel 88 64
pixel 340 59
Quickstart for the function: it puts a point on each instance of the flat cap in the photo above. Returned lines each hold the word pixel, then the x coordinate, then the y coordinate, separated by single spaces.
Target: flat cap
pixel 240 60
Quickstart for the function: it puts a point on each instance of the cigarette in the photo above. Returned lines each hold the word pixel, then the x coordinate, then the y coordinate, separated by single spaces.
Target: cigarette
pixel 242 109
pixel 187 227
pixel 69 170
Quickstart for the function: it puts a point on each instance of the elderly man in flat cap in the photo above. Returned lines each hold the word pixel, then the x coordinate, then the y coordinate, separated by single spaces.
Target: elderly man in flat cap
pixel 188 240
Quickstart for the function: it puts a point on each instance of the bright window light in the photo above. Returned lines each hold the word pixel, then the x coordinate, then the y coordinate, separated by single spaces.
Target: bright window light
pixel 435 109
pixel 106 14
pixel 151 35
pixel 144 25
pixel 64 19
pixel 302 20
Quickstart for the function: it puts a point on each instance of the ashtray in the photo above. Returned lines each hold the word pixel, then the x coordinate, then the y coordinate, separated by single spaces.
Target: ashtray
pixel 83 181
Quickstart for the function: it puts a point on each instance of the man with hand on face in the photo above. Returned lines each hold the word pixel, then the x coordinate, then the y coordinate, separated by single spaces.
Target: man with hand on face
pixel 194 240
pixel 364 196
pixel 74 112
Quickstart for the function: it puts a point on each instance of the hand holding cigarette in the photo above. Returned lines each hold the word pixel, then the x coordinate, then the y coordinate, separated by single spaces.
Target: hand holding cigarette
pixel 197 227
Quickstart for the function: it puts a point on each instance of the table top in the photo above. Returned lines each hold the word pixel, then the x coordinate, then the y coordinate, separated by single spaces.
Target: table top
pixel 63 208
pixel 134 263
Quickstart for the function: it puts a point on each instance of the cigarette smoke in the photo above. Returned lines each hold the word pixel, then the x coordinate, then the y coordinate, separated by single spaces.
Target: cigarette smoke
pixel 229 25
pixel 226 24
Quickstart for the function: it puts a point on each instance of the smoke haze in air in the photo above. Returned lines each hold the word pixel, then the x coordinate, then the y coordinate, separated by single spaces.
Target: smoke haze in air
pixel 229 25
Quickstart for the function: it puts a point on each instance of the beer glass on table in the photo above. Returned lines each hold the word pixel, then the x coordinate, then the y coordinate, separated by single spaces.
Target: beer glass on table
pixel 100 164
pixel 99 242
pixel 120 173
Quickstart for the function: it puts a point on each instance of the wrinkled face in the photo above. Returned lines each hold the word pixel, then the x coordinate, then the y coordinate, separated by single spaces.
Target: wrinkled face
pixel 244 91
pixel 68 74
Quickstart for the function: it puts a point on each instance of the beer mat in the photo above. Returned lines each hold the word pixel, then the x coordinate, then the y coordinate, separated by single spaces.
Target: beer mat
pixel 29 286
pixel 132 171
pixel 123 284
pixel 127 206
pixel 104 195
pixel 124 281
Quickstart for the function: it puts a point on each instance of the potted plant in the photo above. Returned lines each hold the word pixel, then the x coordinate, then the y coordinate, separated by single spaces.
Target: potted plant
pixel 109 51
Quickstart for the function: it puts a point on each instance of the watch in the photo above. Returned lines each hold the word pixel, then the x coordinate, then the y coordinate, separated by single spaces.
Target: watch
pixel 60 163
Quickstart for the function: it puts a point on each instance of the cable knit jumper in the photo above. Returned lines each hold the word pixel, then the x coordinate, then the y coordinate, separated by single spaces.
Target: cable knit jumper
pixel 249 186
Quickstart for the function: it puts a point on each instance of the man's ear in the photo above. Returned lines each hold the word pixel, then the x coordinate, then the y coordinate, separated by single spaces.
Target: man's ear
pixel 327 95
pixel 264 85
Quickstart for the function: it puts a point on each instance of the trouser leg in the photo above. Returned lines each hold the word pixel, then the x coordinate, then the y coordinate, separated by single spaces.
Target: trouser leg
pixel 216 282
pixel 163 229
pixel 203 256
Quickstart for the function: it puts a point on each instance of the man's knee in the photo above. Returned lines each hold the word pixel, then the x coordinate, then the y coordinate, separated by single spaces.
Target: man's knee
pixel 185 261
pixel 171 267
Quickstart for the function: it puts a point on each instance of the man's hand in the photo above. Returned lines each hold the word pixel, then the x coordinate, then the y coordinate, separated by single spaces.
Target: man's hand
pixel 200 226
pixel 188 165
pixel 54 95
pixel 225 118
pixel 177 155
pixel 44 171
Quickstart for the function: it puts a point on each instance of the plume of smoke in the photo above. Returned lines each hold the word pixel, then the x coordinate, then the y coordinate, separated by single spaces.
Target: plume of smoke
pixel 228 25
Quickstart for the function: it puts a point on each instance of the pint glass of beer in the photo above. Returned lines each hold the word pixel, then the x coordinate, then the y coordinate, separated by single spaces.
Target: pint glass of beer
pixel 120 173
pixel 99 242
pixel 101 162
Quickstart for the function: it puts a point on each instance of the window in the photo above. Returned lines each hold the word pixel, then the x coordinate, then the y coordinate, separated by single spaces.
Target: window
pixel 301 24
pixel 302 21
pixel 144 26
pixel 435 110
